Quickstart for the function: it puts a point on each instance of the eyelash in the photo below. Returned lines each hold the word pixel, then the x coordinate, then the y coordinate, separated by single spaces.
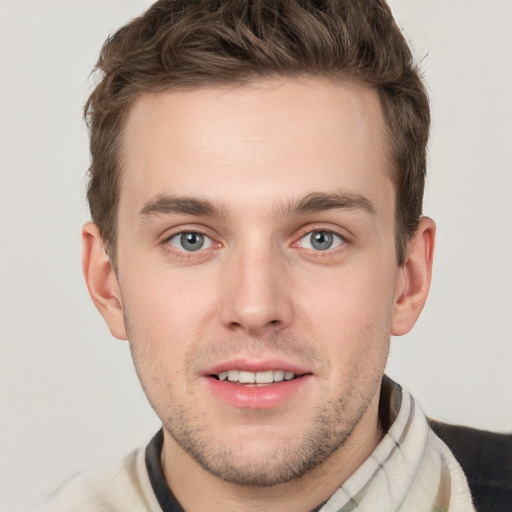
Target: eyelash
pixel 182 253
pixel 330 252
pixel 336 238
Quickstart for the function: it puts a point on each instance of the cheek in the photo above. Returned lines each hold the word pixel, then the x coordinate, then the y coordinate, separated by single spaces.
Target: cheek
pixel 161 296
pixel 166 315
pixel 352 309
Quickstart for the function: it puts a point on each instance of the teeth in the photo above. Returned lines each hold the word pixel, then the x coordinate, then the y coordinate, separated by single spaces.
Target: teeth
pixel 264 377
pixel 243 377
pixel 233 375
pixel 278 376
pixel 246 378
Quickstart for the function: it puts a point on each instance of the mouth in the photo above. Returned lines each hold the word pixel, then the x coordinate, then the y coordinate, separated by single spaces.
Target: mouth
pixel 264 384
pixel 256 379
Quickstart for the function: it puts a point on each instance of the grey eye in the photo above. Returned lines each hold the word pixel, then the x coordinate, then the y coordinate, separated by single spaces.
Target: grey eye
pixel 321 240
pixel 190 242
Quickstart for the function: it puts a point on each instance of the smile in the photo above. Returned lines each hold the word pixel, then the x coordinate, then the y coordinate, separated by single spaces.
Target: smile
pixel 255 378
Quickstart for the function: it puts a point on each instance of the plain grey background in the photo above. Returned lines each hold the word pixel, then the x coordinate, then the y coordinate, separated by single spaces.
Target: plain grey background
pixel 68 392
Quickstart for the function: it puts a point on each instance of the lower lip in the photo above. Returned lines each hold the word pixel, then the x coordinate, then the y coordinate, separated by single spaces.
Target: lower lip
pixel 257 397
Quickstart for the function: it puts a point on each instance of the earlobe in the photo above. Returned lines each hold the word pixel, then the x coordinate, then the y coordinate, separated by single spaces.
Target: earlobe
pixel 101 280
pixel 414 282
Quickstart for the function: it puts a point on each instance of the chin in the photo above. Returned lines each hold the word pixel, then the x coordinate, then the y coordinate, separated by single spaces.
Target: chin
pixel 261 457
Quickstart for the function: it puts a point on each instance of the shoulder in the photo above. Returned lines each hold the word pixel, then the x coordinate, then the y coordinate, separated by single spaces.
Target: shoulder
pixel 486 459
pixel 118 486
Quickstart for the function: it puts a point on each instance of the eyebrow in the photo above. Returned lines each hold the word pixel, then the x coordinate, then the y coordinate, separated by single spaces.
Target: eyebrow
pixel 323 201
pixel 164 204
pixel 311 203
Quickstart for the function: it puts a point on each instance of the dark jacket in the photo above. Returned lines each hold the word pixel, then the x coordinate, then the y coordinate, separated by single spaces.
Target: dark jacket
pixel 486 459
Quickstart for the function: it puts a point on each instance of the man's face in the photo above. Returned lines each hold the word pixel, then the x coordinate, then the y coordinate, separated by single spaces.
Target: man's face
pixel 256 243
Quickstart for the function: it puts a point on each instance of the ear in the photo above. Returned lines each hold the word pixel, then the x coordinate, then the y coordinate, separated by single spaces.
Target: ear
pixel 102 281
pixel 414 282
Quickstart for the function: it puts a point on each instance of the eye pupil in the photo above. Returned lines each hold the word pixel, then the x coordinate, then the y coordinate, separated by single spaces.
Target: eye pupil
pixel 321 240
pixel 192 241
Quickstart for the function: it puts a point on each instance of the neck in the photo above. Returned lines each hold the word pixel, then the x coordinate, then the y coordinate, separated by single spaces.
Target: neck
pixel 185 476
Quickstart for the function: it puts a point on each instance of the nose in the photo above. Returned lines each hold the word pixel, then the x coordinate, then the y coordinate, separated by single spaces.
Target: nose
pixel 257 291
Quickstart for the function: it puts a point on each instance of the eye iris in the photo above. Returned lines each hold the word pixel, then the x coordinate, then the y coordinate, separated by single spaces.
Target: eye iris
pixel 192 241
pixel 321 240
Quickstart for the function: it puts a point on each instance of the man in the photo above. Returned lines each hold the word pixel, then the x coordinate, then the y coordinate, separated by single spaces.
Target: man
pixel 256 194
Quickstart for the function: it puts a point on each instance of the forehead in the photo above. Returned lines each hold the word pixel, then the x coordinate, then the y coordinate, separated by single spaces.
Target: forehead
pixel 262 140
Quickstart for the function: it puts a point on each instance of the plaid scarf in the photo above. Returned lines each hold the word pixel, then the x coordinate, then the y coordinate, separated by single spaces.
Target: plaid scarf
pixel 411 469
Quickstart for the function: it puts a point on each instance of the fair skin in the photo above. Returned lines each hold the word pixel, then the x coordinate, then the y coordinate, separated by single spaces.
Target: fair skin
pixel 256 234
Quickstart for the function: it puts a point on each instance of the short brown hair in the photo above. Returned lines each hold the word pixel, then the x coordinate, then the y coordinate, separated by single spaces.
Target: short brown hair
pixel 193 43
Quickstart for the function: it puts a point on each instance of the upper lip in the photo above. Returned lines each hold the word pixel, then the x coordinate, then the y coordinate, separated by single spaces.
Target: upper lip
pixel 255 366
